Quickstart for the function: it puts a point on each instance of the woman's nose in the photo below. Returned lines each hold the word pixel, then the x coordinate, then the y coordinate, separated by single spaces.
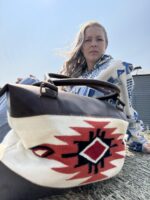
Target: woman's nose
pixel 94 43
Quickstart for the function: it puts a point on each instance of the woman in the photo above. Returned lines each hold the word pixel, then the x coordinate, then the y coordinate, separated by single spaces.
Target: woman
pixel 87 59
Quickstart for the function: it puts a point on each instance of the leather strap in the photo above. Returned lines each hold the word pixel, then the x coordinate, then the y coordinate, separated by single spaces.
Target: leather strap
pixel 110 90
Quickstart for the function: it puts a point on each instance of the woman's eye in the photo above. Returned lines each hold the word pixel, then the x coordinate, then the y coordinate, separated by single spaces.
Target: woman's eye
pixel 99 39
pixel 87 40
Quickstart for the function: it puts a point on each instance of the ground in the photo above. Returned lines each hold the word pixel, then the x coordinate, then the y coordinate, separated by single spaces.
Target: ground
pixel 132 183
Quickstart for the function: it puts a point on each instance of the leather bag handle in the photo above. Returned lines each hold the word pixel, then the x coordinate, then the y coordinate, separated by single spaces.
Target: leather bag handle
pixel 110 90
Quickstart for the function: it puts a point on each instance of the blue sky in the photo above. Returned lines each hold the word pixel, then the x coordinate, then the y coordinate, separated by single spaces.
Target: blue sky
pixel 32 32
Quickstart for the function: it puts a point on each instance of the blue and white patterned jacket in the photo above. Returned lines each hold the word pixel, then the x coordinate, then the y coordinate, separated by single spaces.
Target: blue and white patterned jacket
pixel 119 73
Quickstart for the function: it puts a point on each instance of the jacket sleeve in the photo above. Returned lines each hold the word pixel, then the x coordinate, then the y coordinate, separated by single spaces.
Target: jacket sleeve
pixel 120 73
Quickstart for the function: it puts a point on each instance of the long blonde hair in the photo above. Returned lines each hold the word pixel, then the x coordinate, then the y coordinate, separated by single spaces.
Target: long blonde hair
pixel 76 62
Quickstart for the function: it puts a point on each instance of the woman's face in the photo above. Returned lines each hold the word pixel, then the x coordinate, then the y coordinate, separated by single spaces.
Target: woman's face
pixel 94 45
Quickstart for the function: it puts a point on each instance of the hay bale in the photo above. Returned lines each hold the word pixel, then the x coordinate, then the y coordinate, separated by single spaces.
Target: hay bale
pixel 133 182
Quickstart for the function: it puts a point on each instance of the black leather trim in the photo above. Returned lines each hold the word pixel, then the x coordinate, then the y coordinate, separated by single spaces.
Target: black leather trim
pixel 25 101
pixel 14 187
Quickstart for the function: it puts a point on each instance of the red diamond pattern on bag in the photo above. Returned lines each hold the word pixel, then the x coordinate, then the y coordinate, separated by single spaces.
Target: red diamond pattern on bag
pixel 95 150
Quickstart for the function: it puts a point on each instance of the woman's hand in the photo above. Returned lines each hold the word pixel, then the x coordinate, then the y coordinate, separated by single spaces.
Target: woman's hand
pixel 146 147
pixel 18 80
